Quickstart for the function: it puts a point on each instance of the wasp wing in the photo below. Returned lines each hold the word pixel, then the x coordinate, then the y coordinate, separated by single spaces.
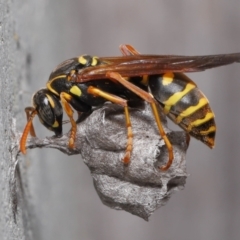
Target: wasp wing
pixel 138 65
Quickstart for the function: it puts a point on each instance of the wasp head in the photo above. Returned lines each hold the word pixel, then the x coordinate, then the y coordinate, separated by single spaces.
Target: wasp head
pixel 49 110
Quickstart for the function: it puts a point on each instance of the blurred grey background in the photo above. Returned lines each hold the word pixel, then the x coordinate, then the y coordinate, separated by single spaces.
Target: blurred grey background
pixel 61 194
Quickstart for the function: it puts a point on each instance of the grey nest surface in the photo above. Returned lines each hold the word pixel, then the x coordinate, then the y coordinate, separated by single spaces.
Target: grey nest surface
pixel 140 187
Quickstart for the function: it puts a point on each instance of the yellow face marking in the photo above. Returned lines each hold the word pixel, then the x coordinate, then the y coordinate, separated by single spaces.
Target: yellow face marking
pixel 189 111
pixel 49 87
pixel 145 79
pixel 56 124
pixel 201 121
pixel 94 61
pixel 82 60
pixel 206 132
pixel 76 91
pixel 167 78
pixel 176 97
pixel 50 101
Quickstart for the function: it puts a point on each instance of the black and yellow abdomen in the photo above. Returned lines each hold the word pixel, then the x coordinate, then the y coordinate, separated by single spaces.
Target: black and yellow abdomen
pixel 184 104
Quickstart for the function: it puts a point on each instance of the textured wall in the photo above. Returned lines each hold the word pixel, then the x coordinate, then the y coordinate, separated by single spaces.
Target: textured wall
pixel 62 199
pixel 8 230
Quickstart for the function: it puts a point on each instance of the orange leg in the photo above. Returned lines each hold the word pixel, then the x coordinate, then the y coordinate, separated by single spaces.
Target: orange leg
pixel 115 99
pixel 65 98
pixel 150 99
pixel 31 112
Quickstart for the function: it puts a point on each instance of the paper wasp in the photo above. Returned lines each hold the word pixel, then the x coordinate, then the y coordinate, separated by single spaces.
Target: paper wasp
pixel 84 82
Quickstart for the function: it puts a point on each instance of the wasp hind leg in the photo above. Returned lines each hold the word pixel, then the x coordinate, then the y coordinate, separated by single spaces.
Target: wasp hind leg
pixel 150 99
pixel 120 101
pixel 128 50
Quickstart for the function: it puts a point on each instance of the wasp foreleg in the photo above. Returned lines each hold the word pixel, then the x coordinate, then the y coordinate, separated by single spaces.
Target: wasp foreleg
pixel 65 98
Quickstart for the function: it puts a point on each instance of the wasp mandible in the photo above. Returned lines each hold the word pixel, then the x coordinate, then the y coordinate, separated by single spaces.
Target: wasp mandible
pixel 84 82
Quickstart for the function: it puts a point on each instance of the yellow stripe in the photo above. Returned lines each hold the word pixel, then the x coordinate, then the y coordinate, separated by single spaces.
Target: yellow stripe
pixel 206 132
pixel 82 60
pixel 176 97
pixel 167 109
pixel 94 61
pixel 49 87
pixel 199 122
pixel 167 78
pixel 189 111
